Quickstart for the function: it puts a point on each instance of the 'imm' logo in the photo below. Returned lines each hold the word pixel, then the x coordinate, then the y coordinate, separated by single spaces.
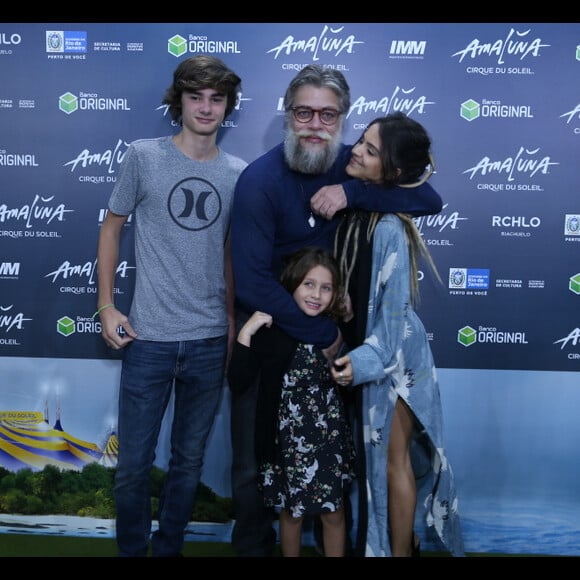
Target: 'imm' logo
pixel 408 48
pixel 9 269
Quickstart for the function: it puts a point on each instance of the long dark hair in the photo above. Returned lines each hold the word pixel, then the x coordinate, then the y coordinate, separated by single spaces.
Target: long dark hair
pixel 406 161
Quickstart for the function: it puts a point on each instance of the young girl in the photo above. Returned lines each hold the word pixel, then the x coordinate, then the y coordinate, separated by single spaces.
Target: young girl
pixel 303 441
pixel 391 358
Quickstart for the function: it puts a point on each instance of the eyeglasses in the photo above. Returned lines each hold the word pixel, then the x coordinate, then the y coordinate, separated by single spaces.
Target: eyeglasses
pixel 306 114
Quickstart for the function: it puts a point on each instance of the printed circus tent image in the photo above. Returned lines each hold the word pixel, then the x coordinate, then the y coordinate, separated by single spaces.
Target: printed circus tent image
pixel 111 451
pixel 28 441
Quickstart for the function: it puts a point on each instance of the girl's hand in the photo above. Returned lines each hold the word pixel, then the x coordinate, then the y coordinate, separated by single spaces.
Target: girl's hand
pixel 252 325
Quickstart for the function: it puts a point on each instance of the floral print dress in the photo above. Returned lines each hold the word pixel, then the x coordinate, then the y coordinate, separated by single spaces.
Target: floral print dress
pixel 314 452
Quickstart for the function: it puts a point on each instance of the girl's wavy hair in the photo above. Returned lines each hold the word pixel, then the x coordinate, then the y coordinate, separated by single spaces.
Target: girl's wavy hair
pixel 299 263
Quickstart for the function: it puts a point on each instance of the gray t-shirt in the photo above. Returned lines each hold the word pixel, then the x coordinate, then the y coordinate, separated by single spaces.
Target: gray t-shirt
pixel 181 217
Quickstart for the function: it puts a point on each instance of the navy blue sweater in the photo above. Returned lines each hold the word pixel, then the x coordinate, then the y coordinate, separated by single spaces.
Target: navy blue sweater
pixel 270 219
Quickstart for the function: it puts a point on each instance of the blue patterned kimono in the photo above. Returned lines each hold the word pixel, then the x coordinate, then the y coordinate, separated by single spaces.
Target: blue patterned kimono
pixel 395 360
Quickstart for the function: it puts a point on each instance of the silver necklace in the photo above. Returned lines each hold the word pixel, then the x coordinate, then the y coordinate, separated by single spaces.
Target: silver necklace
pixel 311 219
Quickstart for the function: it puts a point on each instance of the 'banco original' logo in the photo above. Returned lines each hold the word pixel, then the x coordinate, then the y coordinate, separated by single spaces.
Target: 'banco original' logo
pixel 494 109
pixel 489 335
pixel 177 45
pixel 68 103
pixel 469 110
pixel 574 285
pixel 467 336
pixel 65 326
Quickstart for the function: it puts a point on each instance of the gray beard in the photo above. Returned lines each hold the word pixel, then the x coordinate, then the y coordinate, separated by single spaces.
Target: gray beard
pixel 309 161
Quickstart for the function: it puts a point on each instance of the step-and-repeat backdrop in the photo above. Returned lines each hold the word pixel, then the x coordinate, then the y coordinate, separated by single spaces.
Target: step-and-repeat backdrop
pixel 501 102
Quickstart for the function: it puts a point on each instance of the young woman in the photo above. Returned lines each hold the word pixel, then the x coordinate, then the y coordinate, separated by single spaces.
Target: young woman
pixel 303 440
pixel 391 359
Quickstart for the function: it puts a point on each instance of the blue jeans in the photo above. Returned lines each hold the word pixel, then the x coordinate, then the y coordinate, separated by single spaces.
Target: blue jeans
pixel 150 371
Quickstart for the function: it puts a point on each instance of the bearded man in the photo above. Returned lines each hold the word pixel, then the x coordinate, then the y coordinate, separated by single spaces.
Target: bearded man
pixel 289 198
